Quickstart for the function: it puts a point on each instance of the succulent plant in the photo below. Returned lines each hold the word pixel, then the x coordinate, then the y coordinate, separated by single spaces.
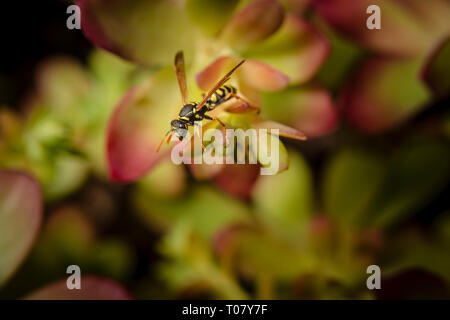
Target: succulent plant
pixel 367 187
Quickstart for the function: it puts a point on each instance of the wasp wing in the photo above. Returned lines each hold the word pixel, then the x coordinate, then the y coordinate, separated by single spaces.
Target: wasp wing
pixel 180 72
pixel 218 85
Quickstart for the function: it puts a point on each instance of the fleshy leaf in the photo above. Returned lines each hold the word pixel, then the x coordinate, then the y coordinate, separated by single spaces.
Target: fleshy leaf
pixel 255 74
pixel 67 236
pixel 20 218
pixel 210 15
pixel 436 72
pixel 284 131
pixel 238 179
pixel 261 255
pixel 191 265
pixel 344 55
pixel 309 110
pixel 272 163
pixel 205 171
pixel 262 76
pixel 137 125
pixel 62 84
pixel 69 174
pixel 156 181
pixel 284 202
pixel 408 28
pixel 192 211
pixel 237 106
pixel 254 23
pixel 382 93
pixel 132 29
pixel 92 288
pixel 296 49
pixel 208 77
pixel 362 189
pixel 351 183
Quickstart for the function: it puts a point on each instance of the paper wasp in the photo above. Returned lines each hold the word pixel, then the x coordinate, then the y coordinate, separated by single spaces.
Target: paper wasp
pixel 192 112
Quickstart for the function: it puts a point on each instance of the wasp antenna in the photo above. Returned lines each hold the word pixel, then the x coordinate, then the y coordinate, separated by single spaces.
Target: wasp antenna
pixel 170 137
pixel 162 141
pixel 160 144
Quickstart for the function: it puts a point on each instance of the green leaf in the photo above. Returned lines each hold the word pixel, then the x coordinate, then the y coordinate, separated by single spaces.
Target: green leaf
pixel 167 180
pixel 351 183
pixel 62 85
pixel 67 238
pixel 190 263
pixel 210 15
pixel 137 125
pixel 383 92
pixel 272 163
pixel 296 49
pixel 112 258
pixel 205 210
pixel 343 56
pixel 254 23
pixel 284 202
pixel 308 109
pixel 264 255
pixel 147 32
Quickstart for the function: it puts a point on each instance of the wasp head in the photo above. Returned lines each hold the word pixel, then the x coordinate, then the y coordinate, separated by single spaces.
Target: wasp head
pixel 179 128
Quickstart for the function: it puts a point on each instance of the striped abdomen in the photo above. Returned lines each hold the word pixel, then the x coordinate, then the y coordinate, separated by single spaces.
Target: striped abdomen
pixel 221 95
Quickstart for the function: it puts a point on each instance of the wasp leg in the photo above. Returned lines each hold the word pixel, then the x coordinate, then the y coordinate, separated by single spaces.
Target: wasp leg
pixel 197 132
pixel 250 104
pixel 197 129
pixel 201 138
pixel 224 127
pixel 215 118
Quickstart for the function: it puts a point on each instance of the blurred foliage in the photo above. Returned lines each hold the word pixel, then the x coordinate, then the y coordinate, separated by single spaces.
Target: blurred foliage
pixel 60 139
pixel 370 186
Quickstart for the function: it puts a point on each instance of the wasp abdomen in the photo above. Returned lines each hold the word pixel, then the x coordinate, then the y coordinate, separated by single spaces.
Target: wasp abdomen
pixel 220 96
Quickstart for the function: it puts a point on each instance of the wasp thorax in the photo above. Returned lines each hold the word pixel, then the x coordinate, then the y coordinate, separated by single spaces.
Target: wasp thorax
pixel 187 110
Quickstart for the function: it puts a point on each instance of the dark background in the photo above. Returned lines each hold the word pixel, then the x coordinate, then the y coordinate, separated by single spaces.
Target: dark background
pixel 31 31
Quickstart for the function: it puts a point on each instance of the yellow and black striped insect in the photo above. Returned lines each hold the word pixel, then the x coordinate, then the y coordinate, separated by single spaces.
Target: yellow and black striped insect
pixel 192 112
